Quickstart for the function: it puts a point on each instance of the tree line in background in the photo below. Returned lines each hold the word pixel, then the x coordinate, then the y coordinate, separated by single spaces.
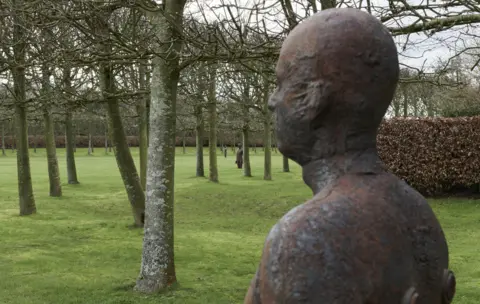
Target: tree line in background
pixel 159 70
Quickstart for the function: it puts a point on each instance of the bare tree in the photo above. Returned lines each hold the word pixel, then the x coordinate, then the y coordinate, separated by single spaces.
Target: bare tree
pixel 157 271
pixel 15 52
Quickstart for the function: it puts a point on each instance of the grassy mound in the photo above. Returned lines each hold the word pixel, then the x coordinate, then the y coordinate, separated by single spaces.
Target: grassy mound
pixel 79 249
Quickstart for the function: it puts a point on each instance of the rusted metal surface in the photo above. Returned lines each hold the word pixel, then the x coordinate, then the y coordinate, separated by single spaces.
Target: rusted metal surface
pixel 365 237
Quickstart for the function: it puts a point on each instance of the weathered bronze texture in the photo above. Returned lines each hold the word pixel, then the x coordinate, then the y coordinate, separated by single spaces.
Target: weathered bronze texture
pixel 365 237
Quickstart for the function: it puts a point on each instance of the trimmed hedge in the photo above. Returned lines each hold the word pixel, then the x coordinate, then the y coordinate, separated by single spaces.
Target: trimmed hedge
pixel 99 141
pixel 436 156
pixel 81 141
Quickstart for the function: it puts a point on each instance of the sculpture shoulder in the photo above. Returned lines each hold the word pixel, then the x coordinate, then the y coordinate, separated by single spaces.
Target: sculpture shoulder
pixel 314 221
pixel 321 243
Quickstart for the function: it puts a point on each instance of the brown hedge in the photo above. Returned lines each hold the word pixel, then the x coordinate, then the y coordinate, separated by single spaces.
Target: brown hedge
pixel 434 155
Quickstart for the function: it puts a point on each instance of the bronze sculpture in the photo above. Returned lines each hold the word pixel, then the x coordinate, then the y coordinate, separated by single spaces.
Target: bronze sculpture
pixel 365 237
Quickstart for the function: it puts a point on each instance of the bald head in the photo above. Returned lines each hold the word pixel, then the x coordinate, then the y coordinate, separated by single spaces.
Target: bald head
pixel 337 72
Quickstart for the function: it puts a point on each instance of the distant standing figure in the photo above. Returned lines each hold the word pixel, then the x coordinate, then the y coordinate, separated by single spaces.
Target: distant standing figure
pixel 239 160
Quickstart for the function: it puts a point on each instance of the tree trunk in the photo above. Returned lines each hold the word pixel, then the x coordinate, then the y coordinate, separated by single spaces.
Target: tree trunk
pixel 286 166
pixel 90 145
pixel 415 107
pixel 3 139
pixel 247 171
pixel 326 4
pixel 200 172
pixel 53 171
pixel 147 105
pixel 25 189
pixel 267 164
pixel 274 145
pixel 50 144
pixel 405 103
pixel 396 106
pixel 184 150
pixel 212 122
pixel 124 158
pixel 222 141
pixel 14 133
pixel 75 138
pixel 143 123
pixel 70 149
pixel 267 135
pixel 106 137
pixel 34 139
pixel 157 271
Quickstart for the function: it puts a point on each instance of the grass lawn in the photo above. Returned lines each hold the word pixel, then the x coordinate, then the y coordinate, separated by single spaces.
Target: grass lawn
pixel 78 248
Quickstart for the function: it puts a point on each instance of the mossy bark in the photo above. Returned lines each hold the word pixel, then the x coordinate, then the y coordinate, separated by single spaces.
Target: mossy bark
pixel 143 124
pixel 157 271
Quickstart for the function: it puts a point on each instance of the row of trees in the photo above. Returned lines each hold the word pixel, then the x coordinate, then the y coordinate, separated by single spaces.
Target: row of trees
pixel 166 65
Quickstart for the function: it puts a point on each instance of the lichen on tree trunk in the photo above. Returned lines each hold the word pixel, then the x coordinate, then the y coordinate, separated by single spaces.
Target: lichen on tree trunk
pixel 157 270
pixel 143 123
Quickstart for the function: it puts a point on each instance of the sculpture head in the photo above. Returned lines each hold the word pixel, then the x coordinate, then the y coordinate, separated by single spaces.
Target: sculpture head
pixel 336 76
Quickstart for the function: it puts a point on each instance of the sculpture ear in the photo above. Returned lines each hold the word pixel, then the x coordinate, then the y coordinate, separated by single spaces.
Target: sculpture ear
pixel 317 101
pixel 449 286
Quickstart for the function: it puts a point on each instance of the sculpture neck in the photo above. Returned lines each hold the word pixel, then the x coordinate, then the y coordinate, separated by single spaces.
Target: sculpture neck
pixel 321 172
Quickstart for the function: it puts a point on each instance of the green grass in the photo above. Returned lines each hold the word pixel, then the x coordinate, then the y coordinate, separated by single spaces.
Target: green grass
pixel 79 249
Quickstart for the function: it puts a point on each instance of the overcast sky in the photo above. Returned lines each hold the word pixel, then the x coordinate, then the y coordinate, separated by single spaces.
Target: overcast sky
pixel 420 51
